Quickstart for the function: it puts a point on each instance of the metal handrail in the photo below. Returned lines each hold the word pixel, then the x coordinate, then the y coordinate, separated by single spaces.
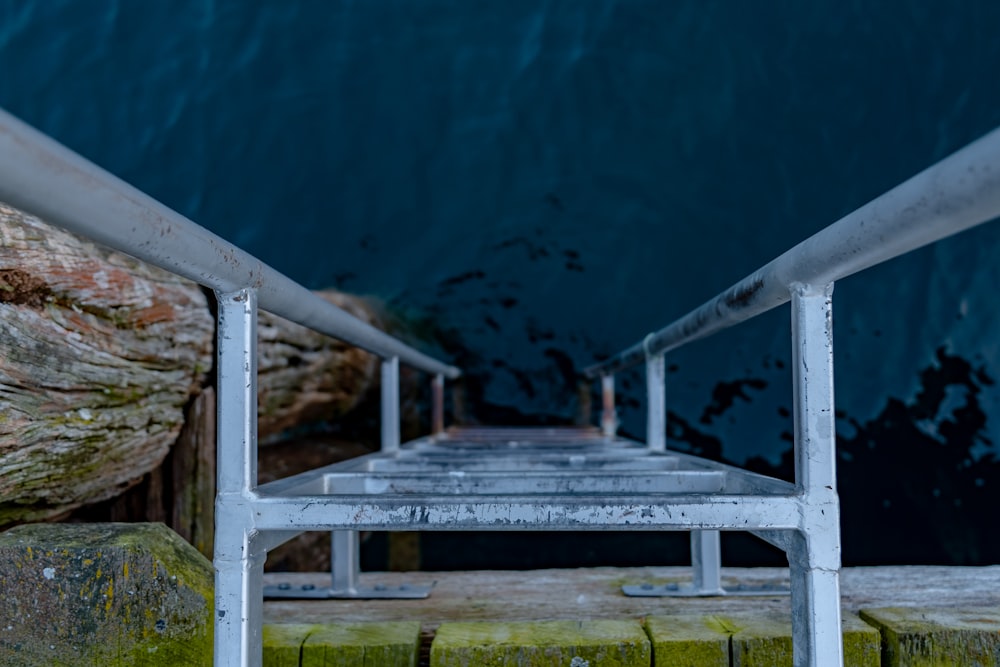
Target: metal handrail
pixel 44 178
pixel 957 193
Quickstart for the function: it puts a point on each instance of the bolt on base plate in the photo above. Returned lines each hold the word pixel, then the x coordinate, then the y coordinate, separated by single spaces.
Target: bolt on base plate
pixel 690 591
pixel 311 592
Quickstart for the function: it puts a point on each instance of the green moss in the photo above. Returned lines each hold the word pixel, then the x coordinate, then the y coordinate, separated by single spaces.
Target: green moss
pixel 114 594
pixel 765 640
pixel 541 644
pixel 760 639
pixel 695 641
pixel 283 643
pixel 390 644
pixel 721 624
pixel 937 637
pixel 117 395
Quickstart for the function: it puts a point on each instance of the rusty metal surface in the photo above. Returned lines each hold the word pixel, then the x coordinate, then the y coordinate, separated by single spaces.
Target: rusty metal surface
pixel 437 404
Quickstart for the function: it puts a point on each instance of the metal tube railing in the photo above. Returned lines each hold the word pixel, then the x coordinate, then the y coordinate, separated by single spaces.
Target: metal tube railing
pixel 44 178
pixel 957 193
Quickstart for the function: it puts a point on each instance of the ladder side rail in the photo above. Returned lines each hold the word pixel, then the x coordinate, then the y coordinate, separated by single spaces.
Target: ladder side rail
pixel 959 192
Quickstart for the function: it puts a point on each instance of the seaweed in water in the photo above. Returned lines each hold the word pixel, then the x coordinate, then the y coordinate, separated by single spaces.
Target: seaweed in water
pixel 918 483
pixel 724 396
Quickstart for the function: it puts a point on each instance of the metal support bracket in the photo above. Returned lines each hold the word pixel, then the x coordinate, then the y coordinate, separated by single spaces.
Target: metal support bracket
pixel 681 590
pixel 345 570
pixel 706 580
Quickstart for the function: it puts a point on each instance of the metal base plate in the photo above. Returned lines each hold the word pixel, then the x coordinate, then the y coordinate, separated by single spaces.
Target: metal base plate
pixel 689 591
pixel 310 592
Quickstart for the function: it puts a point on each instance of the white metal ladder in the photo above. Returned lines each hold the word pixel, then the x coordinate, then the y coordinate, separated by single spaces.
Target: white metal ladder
pixel 487 481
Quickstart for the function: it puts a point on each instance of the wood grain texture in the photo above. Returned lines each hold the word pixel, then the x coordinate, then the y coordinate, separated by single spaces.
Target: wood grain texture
pixel 304 376
pixel 102 358
pixel 99 354
pixel 594 593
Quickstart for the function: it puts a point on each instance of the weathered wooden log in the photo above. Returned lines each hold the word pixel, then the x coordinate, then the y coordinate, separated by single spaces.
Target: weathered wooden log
pixel 191 467
pixel 101 354
pixel 304 376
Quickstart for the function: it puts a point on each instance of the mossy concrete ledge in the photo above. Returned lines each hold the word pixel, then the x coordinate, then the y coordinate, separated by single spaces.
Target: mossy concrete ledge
pixel 390 644
pixel 112 595
pixel 597 643
pixel 747 640
pixel 937 637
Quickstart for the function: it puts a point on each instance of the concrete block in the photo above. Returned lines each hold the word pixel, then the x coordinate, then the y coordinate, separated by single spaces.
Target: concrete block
pixel 389 644
pixel 541 644
pixel 103 594
pixel 925 637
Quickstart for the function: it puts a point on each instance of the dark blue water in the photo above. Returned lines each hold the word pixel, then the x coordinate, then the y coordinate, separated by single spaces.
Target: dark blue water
pixel 542 183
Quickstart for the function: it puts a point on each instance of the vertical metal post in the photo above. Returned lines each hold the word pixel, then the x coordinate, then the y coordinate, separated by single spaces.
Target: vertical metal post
pixel 239 562
pixel 656 405
pixel 390 404
pixel 584 412
pixel 814 556
pixel 609 418
pixel 706 562
pixel 345 544
pixel 437 405
pixel 345 561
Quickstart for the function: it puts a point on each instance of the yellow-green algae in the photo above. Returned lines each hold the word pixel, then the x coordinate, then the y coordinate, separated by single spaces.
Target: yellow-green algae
pixel 283 643
pixel 363 645
pixel 390 644
pixel 107 594
pixel 765 640
pixel 937 637
pixel 597 643
pixel 747 640
pixel 689 641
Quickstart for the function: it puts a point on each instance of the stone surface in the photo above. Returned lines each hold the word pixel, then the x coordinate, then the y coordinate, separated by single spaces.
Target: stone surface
pixel 937 637
pixel 599 643
pixel 103 594
pixel 342 645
